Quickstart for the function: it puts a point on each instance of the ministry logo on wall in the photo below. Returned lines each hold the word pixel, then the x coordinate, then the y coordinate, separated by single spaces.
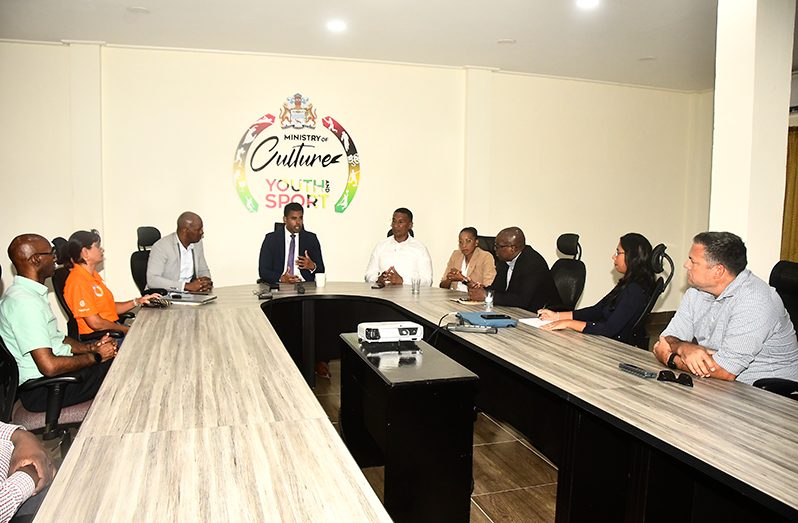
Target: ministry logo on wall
pixel 288 159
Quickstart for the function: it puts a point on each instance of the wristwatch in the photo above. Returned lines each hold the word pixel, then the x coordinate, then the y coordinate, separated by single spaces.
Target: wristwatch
pixel 672 361
pixel 97 357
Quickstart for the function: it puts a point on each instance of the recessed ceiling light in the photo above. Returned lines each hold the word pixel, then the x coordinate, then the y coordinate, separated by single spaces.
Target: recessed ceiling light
pixel 505 41
pixel 336 26
pixel 136 9
pixel 587 4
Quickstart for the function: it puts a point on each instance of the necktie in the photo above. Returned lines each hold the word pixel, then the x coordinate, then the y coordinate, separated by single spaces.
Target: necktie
pixel 291 250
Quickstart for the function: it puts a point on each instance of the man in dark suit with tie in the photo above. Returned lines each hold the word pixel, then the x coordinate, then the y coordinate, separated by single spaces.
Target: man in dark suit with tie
pixel 290 254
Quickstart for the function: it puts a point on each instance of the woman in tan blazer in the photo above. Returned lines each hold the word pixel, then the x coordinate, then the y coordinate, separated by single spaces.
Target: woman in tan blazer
pixel 468 264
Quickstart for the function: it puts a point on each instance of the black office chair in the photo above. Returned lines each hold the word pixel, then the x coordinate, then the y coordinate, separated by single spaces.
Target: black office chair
pixel 278 226
pixel 147 236
pixel 569 274
pixel 784 278
pixel 59 282
pixel 487 243
pixel 53 423
pixel 658 256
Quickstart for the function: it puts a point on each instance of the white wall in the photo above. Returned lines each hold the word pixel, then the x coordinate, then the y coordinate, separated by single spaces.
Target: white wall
pixel 599 160
pixel 593 158
pixel 172 122
pixel 35 150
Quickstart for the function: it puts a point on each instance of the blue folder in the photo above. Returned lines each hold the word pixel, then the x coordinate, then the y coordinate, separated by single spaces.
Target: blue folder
pixel 475 318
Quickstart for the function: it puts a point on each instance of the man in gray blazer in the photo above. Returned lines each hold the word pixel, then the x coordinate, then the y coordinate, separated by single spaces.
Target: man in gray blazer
pixel 177 261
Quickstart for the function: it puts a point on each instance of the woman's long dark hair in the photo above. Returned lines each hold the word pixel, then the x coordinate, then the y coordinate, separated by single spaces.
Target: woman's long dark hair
pixel 77 242
pixel 637 251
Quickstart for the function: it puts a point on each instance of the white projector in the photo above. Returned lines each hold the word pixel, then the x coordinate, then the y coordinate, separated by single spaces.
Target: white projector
pixel 389 331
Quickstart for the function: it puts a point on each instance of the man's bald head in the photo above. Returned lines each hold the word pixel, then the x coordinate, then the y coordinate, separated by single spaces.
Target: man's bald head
pixel 509 243
pixel 189 228
pixel 186 219
pixel 29 254
pixel 512 235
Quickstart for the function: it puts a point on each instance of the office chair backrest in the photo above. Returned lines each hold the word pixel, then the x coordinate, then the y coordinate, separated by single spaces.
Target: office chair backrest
pixel 59 282
pixel 784 278
pixel 9 378
pixel 658 256
pixel 569 274
pixel 146 237
pixel 487 243
pixel 390 233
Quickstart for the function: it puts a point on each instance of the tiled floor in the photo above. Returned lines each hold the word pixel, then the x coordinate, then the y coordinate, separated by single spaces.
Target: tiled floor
pixel 512 482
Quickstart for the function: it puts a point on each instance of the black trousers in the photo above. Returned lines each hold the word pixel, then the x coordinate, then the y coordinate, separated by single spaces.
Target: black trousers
pixel 36 400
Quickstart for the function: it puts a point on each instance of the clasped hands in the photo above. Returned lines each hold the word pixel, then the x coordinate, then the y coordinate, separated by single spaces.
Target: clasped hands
pixel 390 277
pixel 696 358
pixel 30 457
pixel 303 262
pixel 201 284
pixel 106 347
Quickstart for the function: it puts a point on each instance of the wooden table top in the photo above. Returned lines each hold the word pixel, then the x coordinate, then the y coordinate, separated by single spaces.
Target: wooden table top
pixel 205 417
pixel 737 429
pixel 190 380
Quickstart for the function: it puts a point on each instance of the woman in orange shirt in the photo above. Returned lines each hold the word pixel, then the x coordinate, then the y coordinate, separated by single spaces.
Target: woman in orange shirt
pixel 91 302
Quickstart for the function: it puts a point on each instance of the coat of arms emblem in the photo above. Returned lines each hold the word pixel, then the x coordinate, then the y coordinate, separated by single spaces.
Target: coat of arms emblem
pixel 298 113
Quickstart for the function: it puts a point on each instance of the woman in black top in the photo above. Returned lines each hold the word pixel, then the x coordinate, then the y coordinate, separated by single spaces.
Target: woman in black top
pixel 615 315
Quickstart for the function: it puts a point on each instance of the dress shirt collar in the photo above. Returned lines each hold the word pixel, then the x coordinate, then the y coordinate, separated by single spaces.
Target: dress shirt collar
pixel 735 285
pixel 30 285
pixel 511 263
pixel 730 290
pixel 408 241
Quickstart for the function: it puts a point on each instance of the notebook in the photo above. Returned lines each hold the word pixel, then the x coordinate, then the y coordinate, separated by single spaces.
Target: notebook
pixel 189 298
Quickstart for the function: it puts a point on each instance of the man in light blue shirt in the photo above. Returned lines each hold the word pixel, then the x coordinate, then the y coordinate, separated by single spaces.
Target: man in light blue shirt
pixel 730 324
pixel 30 331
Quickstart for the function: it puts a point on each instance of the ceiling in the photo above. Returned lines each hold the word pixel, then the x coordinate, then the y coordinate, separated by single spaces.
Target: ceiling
pixel 659 43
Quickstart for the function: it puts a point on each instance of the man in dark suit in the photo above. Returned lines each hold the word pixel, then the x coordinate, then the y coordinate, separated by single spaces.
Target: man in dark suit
pixel 522 275
pixel 292 254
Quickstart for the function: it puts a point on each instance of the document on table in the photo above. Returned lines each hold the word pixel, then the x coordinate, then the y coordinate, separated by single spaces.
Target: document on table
pixel 466 301
pixel 535 322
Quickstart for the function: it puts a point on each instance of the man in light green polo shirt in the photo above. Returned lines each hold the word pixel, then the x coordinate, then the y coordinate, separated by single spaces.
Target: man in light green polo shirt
pixel 30 331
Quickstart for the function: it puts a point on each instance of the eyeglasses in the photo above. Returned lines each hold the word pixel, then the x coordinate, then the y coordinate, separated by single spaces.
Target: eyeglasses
pixel 618 253
pixel 497 246
pixel 51 253
pixel 683 379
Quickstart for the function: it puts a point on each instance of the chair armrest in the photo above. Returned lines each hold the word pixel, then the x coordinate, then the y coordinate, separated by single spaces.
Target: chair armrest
pixel 96 335
pixel 47 382
pixel 781 386
pixel 126 316
pixel 55 399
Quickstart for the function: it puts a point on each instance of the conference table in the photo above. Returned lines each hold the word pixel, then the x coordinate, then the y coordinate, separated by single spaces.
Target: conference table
pixel 207 414
pixel 204 417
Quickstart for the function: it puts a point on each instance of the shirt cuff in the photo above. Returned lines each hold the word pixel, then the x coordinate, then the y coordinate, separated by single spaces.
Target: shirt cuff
pixel 22 485
pixel 728 365
pixel 6 430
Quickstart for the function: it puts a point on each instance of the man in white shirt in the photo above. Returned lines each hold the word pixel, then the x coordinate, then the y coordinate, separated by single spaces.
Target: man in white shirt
pixel 400 257
pixel 177 261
